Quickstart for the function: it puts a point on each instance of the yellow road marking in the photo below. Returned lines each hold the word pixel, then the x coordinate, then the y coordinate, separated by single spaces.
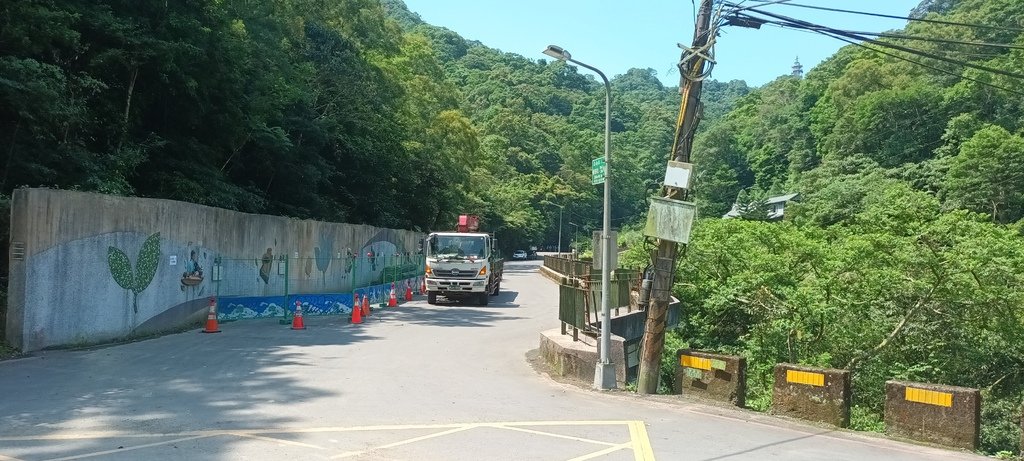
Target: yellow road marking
pixel 122 450
pixel 563 423
pixel 638 437
pixel 642 450
pixel 277 440
pixel 116 434
pixel 295 430
pixel 404 442
pixel 97 435
pixel 549 434
pixel 310 430
pixel 610 449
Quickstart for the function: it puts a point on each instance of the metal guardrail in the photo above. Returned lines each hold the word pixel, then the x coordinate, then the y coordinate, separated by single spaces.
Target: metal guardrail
pixel 579 300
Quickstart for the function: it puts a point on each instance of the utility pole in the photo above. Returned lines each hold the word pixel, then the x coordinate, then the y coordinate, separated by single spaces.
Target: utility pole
pixel 691 72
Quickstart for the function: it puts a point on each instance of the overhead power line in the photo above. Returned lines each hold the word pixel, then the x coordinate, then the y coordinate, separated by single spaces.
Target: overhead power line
pixel 918 38
pixel 922 64
pixel 906 18
pixel 990 55
pixel 936 40
pixel 858 40
pixel 797 23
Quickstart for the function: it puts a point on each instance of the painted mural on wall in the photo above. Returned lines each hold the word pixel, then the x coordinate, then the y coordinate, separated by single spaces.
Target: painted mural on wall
pixel 323 255
pixel 253 307
pixel 157 269
pixel 266 264
pixel 193 274
pixel 322 278
pixel 135 280
pixel 386 262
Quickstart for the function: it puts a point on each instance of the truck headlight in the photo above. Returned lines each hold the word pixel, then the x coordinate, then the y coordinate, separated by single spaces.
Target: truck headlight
pixel 483 270
pixel 428 272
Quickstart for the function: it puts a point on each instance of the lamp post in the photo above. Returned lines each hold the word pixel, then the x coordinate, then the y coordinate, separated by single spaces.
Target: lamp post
pixel 604 371
pixel 561 208
pixel 575 236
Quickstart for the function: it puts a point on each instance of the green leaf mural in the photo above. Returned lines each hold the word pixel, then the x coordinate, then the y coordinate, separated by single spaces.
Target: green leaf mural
pixel 149 258
pixel 135 280
pixel 121 268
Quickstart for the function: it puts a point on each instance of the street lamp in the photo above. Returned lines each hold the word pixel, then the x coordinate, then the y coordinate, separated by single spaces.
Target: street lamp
pixel 604 371
pixel 560 209
pixel 575 236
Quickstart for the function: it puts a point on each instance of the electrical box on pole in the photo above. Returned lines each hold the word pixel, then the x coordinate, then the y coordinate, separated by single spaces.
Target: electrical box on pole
pixel 599 252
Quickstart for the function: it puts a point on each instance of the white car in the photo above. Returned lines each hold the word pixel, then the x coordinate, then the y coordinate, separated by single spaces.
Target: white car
pixel 519 254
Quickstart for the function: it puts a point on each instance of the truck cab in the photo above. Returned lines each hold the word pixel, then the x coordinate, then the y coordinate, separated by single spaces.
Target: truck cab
pixel 462 266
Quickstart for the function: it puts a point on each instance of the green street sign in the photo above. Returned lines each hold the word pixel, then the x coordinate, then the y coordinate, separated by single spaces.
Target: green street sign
pixel 598 170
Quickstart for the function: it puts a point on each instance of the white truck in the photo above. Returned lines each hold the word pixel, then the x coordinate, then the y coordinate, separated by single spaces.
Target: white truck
pixel 462 265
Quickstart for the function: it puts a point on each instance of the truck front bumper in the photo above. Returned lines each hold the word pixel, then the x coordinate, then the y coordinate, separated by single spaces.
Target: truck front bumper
pixel 456 285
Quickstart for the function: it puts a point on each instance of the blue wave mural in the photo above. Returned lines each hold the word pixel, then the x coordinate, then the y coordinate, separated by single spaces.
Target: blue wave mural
pixel 254 307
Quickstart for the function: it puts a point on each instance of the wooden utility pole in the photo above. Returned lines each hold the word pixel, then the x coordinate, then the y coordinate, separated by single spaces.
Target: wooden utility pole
pixel 691 73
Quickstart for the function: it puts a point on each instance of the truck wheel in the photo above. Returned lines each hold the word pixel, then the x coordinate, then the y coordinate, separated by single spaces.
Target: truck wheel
pixel 497 287
pixel 484 298
pixel 431 297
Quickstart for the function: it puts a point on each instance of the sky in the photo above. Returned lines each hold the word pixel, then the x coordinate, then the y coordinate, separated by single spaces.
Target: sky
pixel 615 36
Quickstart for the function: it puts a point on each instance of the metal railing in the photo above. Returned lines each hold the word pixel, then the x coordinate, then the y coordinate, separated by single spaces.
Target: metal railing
pixel 579 299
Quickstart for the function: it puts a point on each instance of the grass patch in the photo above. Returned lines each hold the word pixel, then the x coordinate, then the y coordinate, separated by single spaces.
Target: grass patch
pixel 863 419
pixel 7 352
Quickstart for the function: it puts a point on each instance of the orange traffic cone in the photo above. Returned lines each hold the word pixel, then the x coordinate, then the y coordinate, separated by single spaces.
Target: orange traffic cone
pixel 408 291
pixel 211 318
pixel 297 323
pixel 392 300
pixel 357 312
pixel 366 305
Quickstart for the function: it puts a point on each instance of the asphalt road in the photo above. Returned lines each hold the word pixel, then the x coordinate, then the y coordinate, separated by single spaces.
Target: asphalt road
pixel 416 382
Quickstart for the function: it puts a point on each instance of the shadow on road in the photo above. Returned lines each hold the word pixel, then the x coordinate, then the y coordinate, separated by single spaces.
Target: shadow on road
pixel 453 314
pixel 177 383
pixel 767 445
pixel 522 266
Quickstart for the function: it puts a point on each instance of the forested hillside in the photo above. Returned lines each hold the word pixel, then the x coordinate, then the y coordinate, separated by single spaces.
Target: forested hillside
pixel 346 110
pixel 300 108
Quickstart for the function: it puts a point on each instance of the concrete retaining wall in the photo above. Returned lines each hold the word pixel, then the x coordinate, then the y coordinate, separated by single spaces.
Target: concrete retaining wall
pixel 88 267
pixel 814 394
pixel 946 415
pixel 713 376
pixel 577 359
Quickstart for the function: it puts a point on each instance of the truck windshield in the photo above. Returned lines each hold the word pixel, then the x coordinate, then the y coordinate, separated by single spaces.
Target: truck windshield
pixel 457 246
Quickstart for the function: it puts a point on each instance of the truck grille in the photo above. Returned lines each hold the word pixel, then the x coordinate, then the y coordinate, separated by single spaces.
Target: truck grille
pixel 455 274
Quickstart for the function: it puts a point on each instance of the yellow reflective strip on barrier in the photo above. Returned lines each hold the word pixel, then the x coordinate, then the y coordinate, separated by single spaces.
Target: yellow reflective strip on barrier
pixel 805 377
pixel 941 399
pixel 695 362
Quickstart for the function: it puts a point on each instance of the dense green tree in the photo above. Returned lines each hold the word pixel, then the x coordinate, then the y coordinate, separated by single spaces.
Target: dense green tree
pixel 987 174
